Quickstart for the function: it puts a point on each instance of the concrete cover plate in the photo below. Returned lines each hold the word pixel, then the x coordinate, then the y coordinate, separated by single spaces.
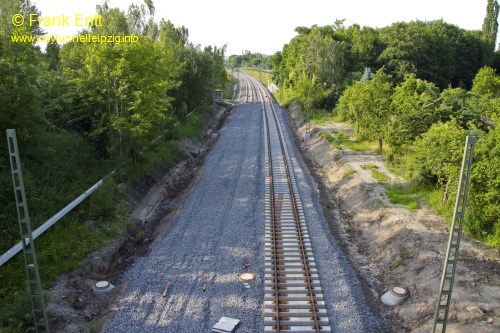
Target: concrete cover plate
pixel 225 324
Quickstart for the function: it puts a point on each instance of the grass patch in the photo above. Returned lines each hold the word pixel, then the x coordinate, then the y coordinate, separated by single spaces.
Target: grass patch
pixel 402 195
pixel 321 117
pixel 409 196
pixel 376 174
pixel 404 255
pixel 228 91
pixel 433 196
pixel 331 139
pixel 369 167
pixel 380 177
pixel 348 173
pixel 341 140
pixel 337 118
pixel 401 164
pixel 362 145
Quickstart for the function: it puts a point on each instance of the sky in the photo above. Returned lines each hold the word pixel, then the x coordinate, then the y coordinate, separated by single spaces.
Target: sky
pixel 264 26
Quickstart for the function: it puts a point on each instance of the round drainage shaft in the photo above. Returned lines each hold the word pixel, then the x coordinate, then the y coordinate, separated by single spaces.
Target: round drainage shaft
pixel 102 287
pixel 246 277
pixel 399 292
pixel 395 296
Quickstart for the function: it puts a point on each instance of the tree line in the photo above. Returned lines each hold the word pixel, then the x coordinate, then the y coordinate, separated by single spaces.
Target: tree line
pixel 417 88
pixel 249 60
pixel 83 109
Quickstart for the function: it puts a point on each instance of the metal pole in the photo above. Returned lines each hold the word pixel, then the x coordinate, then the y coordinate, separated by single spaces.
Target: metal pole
pixel 213 90
pixel 309 105
pixel 282 85
pixel 451 258
pixel 30 260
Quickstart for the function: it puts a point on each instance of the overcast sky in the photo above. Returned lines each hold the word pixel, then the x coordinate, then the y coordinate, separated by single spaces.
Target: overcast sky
pixel 265 25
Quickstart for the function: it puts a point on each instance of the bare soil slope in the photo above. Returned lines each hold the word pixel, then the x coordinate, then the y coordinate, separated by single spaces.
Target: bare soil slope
pixel 392 246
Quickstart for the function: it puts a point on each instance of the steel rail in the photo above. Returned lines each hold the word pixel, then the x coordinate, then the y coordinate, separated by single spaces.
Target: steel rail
pixel 273 220
pixel 298 226
pixel 277 240
pixel 247 84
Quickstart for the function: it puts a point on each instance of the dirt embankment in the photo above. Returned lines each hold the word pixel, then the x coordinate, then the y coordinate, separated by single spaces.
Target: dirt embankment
pixel 72 305
pixel 391 246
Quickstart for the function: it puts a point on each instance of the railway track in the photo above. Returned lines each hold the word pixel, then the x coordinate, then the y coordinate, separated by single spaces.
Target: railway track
pixel 249 88
pixel 247 92
pixel 293 297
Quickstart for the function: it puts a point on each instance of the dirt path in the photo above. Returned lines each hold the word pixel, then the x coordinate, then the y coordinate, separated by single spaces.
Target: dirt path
pixel 392 246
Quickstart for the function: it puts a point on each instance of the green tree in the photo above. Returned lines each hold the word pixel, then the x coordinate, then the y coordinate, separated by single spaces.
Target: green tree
pixel 172 35
pixel 490 30
pixel 52 54
pixel 333 62
pixel 376 119
pixel 484 99
pixel 367 104
pixel 114 21
pixel 412 110
pixel 484 216
pixel 486 83
pixel 425 48
pixel 20 68
pixel 294 60
pixel 455 103
pixel 438 152
pixel 365 44
pixel 249 59
pixel 277 64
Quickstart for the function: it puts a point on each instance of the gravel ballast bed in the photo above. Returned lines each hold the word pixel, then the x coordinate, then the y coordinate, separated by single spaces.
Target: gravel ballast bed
pixel 221 225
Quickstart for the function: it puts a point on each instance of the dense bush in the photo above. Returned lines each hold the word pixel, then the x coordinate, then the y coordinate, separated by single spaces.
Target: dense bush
pixel 484 217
